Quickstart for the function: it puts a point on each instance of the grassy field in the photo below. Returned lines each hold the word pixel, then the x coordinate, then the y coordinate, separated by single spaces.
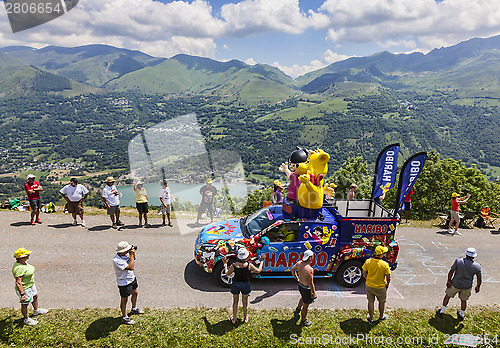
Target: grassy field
pixel 204 327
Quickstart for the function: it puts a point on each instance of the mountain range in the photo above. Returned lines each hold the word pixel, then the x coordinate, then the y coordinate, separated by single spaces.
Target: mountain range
pixel 471 67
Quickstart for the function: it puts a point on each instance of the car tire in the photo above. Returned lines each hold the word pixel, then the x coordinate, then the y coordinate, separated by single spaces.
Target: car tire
pixel 350 273
pixel 220 275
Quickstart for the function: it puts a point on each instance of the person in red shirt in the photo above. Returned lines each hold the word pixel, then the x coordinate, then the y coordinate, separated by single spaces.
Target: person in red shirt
pixel 408 204
pixel 33 189
pixel 455 208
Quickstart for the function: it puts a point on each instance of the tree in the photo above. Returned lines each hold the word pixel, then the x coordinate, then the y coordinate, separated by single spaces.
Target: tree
pixel 353 171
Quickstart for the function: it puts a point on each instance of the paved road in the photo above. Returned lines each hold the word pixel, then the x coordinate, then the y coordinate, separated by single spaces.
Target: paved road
pixel 73 267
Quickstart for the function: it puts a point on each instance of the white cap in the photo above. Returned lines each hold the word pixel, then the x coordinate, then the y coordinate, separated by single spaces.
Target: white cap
pixel 30 176
pixel 471 252
pixel 307 255
pixel 123 247
pixel 243 254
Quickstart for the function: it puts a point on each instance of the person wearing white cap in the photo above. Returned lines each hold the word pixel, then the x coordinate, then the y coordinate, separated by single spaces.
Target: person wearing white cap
pixel 304 274
pixel 24 274
pixel 242 269
pixel 378 276
pixel 141 202
pixel 75 193
pixel 33 189
pixel 124 263
pixel 460 279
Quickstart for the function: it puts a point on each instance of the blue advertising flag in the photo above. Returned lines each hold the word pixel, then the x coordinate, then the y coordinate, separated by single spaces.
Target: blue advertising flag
pixel 409 174
pixel 385 170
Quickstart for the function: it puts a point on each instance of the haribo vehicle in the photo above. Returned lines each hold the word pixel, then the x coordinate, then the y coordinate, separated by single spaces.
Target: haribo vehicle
pixel 342 234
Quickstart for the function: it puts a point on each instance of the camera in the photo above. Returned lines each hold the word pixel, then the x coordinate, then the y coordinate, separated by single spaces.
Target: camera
pixel 134 247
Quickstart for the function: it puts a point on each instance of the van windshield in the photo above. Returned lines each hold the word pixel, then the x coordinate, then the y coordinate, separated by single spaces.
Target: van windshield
pixel 258 221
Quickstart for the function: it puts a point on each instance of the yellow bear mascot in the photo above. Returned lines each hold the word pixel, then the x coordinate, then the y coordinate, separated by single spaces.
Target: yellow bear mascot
pixel 311 189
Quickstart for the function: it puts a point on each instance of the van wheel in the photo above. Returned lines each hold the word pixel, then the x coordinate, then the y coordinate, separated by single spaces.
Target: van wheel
pixel 350 274
pixel 220 276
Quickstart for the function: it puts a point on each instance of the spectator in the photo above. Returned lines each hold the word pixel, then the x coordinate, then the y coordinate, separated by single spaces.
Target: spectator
pixel 165 200
pixel 207 193
pixel 460 278
pixel 351 194
pixel 407 203
pixel 141 202
pixel 455 208
pixel 33 189
pixel 380 198
pixel 111 197
pixel 24 274
pixel 241 281
pixel 304 274
pixel 378 276
pixel 124 263
pixel 277 196
pixel 75 194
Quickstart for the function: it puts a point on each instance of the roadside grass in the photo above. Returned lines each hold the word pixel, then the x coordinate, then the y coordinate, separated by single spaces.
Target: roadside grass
pixel 205 327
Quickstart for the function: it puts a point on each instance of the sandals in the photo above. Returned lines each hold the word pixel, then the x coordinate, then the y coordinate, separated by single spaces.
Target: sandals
pixel 246 319
pixel 232 319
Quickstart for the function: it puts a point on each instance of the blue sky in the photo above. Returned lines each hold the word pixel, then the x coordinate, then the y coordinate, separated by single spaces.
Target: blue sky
pixel 296 36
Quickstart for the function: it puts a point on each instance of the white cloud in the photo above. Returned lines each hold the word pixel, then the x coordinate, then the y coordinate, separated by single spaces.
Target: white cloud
pixel 250 16
pixel 425 22
pixel 328 58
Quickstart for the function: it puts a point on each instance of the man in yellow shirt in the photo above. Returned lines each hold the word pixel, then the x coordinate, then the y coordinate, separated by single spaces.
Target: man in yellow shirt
pixel 378 276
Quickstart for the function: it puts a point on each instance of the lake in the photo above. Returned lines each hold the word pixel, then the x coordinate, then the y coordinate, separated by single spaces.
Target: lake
pixel 182 192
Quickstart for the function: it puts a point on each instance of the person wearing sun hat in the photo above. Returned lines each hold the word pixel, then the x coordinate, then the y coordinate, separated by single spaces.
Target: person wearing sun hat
pixel 124 264
pixel 378 276
pixel 304 274
pixel 111 197
pixel 277 196
pixel 207 192
pixel 460 279
pixel 455 208
pixel 24 275
pixel 242 269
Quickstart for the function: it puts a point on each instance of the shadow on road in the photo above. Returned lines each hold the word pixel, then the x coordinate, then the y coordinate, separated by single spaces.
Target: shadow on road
pixel 356 326
pixel 284 329
pixel 221 327
pixel 100 228
pixel 20 223
pixel 65 225
pixel 447 324
pixel 495 231
pixel 102 327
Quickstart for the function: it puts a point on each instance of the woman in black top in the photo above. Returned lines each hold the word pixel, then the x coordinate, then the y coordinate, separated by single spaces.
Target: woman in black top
pixel 241 281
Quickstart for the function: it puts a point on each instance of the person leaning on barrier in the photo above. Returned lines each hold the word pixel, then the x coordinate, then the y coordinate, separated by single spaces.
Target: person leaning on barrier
pixel 124 264
pixel 24 274
pixel 460 279
pixel 378 276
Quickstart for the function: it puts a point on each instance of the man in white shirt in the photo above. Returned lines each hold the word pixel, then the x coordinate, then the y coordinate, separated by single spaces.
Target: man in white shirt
pixel 75 193
pixel 165 200
pixel 124 263
pixel 111 197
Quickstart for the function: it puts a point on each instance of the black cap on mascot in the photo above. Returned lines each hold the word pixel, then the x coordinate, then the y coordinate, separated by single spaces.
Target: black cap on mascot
pixel 299 156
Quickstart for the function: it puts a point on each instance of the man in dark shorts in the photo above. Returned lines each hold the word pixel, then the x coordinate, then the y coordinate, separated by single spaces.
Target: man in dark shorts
pixel 75 194
pixel 208 193
pixel 304 273
pixel 124 263
pixel 407 203
pixel 33 189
